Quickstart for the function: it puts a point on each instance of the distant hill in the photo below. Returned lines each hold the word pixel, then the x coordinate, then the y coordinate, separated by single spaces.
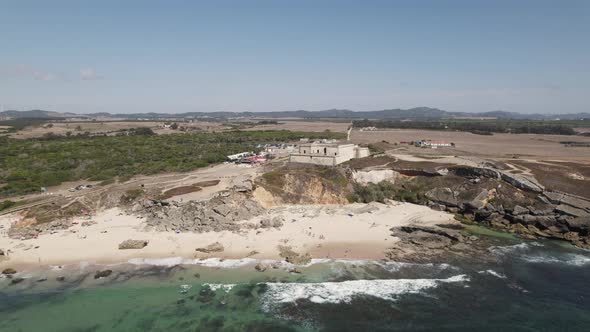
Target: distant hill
pixel 37 114
pixel 417 113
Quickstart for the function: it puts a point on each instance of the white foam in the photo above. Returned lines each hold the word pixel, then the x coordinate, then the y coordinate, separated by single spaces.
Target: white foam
pixel 396 266
pixel 209 262
pixel 568 259
pixel 225 287
pixel 234 263
pixel 521 247
pixel 338 292
pixel 494 273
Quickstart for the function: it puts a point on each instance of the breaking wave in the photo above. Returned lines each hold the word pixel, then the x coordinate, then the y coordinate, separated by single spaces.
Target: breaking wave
pixel 235 263
pixel 493 273
pixel 224 287
pixel 568 259
pixel 209 262
pixel 338 292
pixel 521 247
pixel 523 251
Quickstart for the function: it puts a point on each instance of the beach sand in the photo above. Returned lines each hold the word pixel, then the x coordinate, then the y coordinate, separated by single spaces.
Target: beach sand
pixel 325 231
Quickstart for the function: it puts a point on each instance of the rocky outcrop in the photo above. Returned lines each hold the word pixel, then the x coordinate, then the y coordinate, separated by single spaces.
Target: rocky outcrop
pixel 260 267
pixel 293 257
pixel 17 280
pixel 445 196
pixel 564 199
pixel 466 171
pixel 8 271
pixel 102 274
pixel 522 182
pixel 571 211
pixel 519 181
pixel 276 222
pixel 213 247
pixel 425 243
pixel 225 211
pixel 133 244
pixel 579 225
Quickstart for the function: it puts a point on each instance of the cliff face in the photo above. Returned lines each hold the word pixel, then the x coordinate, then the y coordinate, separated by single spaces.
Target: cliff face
pixel 310 185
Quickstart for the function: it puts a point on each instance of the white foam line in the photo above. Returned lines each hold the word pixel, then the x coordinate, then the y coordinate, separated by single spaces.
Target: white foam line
pixel 493 273
pixel 337 292
pixel 225 287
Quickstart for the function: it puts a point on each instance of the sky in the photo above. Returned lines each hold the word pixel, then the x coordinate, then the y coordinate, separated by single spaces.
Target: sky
pixel 175 56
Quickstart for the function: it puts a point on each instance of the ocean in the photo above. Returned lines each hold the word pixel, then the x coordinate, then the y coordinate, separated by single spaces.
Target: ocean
pixel 516 286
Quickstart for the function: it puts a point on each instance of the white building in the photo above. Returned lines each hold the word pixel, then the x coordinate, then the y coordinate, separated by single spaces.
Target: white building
pixel 433 144
pixel 238 156
pixel 327 154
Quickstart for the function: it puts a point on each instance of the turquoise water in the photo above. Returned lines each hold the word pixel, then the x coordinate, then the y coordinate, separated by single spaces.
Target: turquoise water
pixel 518 287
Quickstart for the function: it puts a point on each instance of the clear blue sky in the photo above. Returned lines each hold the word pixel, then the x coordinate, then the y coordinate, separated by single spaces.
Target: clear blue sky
pixel 178 56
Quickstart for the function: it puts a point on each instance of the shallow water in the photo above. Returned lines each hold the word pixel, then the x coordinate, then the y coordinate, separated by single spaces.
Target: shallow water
pixel 527 287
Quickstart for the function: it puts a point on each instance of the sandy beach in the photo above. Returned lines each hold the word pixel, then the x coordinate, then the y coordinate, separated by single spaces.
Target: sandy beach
pixel 356 231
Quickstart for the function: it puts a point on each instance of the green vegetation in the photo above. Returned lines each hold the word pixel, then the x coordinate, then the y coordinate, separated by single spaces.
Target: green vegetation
pixel 384 190
pixel 28 165
pixel 19 124
pixel 131 195
pixel 482 127
pixel 6 204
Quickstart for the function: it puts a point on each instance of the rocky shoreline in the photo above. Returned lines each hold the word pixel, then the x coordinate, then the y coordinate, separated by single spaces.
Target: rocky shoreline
pixel 526 209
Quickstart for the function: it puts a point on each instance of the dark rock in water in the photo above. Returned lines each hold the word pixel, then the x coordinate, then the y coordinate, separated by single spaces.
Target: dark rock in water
pixel 260 267
pixel 42 279
pixel 61 278
pixel 9 271
pixel 15 281
pixel 197 275
pixel 206 295
pixel 102 274
pixel 180 301
pixel 133 244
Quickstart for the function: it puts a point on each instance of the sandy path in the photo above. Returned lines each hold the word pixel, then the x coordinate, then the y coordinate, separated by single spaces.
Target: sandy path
pixel 324 231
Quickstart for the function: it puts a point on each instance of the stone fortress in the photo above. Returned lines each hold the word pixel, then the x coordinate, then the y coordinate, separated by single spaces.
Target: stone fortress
pixel 327 154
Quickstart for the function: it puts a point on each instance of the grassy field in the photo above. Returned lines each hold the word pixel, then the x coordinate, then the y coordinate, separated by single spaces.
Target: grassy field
pixel 467 144
pixel 484 127
pixel 28 165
